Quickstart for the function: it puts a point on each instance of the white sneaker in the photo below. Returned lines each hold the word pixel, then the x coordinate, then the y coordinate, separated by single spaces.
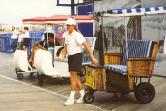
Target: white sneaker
pixel 69 101
pixel 79 100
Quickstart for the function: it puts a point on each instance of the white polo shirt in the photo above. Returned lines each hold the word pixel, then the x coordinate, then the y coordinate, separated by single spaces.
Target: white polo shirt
pixel 26 34
pixel 74 42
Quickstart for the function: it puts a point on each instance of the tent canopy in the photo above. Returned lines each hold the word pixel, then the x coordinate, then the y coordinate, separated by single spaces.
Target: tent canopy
pixel 132 11
pixel 59 19
pixel 56 19
pixel 38 20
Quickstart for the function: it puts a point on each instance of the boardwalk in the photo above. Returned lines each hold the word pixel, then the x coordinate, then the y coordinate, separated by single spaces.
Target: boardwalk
pixel 19 96
pixel 26 95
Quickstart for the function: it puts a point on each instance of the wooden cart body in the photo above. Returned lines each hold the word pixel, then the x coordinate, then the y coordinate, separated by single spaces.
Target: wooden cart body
pixel 139 64
pixel 120 73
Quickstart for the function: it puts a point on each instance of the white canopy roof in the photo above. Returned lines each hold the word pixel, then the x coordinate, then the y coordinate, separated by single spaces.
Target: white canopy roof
pixel 133 11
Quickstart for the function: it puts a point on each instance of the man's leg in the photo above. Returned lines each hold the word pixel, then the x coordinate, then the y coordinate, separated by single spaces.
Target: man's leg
pixel 73 77
pixel 74 88
pixel 81 90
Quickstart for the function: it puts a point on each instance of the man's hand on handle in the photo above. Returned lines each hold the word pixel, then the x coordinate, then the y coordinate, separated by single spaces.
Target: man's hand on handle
pixel 94 60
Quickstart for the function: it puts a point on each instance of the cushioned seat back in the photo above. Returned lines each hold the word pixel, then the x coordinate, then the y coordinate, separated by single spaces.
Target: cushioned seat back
pixel 137 49
pixel 43 63
pixel 21 60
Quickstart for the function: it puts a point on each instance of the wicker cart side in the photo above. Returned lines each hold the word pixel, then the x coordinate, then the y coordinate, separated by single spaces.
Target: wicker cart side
pixel 154 50
pixel 141 67
pixel 112 58
pixel 96 77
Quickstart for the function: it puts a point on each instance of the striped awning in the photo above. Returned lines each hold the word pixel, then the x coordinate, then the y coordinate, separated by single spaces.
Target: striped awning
pixel 133 11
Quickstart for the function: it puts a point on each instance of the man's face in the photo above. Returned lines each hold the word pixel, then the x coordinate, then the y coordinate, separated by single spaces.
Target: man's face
pixel 70 28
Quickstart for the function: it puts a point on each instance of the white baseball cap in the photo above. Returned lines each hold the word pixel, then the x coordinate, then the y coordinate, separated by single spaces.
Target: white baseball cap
pixel 70 21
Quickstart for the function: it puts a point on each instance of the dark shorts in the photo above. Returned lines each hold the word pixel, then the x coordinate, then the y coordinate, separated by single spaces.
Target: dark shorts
pixel 26 42
pixel 75 62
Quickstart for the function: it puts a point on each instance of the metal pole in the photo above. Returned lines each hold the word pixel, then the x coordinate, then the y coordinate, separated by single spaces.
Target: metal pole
pixel 72 7
pixel 93 29
pixel 54 44
pixel 126 37
pixel 102 51
pixel 47 34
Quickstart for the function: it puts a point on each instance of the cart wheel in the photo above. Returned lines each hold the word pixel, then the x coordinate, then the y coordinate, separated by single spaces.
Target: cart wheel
pixel 144 92
pixel 40 79
pixel 31 76
pixel 88 98
pixel 89 89
pixel 20 76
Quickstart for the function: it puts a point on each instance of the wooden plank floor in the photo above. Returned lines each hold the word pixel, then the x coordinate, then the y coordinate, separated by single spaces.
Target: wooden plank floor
pixel 102 99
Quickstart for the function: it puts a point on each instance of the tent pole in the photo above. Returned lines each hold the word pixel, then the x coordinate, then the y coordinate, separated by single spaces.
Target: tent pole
pixel 126 37
pixel 47 34
pixel 54 43
pixel 93 29
pixel 102 51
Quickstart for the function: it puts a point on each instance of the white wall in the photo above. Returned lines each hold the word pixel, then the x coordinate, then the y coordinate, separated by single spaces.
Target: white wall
pixel 105 4
pixel 113 4
pixel 151 25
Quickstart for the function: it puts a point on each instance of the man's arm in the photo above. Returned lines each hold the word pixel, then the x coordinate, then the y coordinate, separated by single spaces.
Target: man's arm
pixel 89 50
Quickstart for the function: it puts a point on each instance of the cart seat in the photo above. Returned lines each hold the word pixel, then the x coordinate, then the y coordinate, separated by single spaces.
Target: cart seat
pixel 20 60
pixel 136 49
pixel 122 69
pixel 43 63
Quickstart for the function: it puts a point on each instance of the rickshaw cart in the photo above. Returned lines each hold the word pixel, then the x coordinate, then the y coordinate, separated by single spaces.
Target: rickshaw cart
pixel 125 72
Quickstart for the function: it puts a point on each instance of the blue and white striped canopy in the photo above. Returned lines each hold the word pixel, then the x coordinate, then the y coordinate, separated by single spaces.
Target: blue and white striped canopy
pixel 134 11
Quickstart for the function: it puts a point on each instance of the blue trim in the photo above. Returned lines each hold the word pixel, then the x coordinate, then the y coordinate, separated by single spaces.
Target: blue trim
pixel 156 8
pixel 129 11
pixel 138 10
pixel 147 9
pixel 119 11
pixel 164 7
pixel 109 11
